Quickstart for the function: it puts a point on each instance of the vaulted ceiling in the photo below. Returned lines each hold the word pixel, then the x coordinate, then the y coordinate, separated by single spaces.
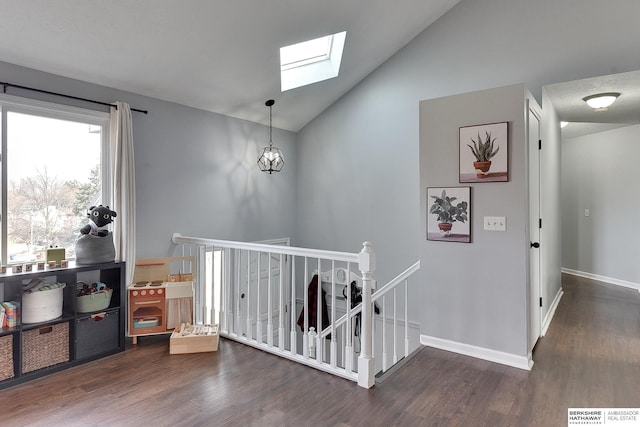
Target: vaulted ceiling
pixel 216 55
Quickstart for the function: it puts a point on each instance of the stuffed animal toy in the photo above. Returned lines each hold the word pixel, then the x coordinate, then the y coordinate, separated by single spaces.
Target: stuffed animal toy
pixel 99 216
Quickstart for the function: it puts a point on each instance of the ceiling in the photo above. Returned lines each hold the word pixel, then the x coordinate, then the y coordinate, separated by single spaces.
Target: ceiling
pixel 567 100
pixel 216 55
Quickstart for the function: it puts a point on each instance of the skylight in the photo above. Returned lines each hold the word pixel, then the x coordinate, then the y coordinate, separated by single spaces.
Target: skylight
pixel 312 61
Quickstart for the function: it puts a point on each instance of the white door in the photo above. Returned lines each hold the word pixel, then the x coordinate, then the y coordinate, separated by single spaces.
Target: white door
pixel 535 310
pixel 254 319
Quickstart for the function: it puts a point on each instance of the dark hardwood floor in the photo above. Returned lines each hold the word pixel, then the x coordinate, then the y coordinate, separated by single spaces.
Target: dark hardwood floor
pixel 590 357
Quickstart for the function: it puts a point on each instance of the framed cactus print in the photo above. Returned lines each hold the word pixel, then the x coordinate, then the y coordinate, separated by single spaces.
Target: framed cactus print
pixel 484 153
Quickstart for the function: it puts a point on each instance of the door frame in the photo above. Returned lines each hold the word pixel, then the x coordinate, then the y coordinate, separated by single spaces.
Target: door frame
pixel 534 168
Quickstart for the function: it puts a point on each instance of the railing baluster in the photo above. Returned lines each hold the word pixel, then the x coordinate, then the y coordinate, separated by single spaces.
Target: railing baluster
pixel 269 305
pixel 406 317
pixel 281 313
pixel 258 290
pixel 319 341
pixel 395 316
pixel 343 346
pixel 238 259
pixel 384 333
pixel 202 272
pixel 348 364
pixel 305 334
pixel 293 345
pixel 214 273
pixel 333 353
pixel 224 290
pixel 248 313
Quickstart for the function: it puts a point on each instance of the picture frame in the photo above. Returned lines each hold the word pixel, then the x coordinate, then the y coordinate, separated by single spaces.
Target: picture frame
pixel 484 153
pixel 449 214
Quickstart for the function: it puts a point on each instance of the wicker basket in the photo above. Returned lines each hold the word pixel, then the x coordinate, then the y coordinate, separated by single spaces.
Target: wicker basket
pixel 45 346
pixel 6 357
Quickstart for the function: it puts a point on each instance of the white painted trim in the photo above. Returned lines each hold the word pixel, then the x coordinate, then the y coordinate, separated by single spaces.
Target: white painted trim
pixel 177 238
pixel 552 311
pixel 54 110
pixel 503 358
pixel 599 278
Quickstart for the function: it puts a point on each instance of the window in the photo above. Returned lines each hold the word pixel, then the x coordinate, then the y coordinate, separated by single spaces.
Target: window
pixel 312 61
pixel 54 166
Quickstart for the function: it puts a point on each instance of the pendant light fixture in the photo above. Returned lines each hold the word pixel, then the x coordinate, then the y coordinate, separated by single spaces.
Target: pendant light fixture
pixel 270 159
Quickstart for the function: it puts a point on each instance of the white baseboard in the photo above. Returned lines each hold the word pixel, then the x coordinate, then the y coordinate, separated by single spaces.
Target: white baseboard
pixel 552 310
pixel 605 279
pixel 521 362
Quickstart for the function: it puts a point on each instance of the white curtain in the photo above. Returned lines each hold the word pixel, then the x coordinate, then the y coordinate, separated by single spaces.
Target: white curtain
pixel 123 189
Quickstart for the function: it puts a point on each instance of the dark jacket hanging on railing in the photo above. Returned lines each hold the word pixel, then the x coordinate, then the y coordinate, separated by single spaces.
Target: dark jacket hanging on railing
pixel 312 295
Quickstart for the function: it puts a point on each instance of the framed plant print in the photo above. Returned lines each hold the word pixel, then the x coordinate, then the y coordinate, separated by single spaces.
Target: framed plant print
pixel 449 214
pixel 484 153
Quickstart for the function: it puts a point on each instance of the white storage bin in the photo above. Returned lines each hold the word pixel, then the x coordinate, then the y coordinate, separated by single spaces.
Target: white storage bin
pixel 41 306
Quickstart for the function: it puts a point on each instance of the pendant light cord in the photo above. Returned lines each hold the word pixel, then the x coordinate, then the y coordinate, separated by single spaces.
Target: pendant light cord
pixel 269 104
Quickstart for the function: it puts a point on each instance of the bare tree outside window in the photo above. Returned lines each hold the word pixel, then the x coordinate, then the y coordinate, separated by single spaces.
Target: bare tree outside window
pixel 54 175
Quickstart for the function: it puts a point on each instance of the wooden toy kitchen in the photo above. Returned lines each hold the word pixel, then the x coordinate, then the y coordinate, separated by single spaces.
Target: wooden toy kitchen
pixel 161 297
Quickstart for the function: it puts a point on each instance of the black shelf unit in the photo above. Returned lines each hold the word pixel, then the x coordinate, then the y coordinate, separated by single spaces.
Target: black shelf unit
pixel 91 335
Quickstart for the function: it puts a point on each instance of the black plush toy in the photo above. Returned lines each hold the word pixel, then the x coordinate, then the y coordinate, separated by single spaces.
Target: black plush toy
pixel 100 216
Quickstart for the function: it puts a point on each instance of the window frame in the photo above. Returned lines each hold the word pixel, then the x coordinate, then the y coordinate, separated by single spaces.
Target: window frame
pixel 309 70
pixel 16 104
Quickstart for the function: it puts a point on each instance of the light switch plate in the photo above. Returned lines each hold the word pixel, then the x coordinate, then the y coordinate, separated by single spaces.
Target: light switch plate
pixel 495 223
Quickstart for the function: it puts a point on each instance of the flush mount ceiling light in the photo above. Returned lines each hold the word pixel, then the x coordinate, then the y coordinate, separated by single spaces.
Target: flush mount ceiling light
pixel 270 159
pixel 601 101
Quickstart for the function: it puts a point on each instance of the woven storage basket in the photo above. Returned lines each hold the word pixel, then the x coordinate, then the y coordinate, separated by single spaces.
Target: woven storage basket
pixel 6 357
pixel 45 346
pixel 93 302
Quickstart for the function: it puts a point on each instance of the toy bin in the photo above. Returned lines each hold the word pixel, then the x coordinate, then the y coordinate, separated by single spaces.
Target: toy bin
pixel 97 334
pixel 194 339
pixel 93 302
pixel 42 305
pixel 6 357
pixel 45 346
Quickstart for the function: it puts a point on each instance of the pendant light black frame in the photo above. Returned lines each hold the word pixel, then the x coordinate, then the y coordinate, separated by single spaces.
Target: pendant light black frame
pixel 270 159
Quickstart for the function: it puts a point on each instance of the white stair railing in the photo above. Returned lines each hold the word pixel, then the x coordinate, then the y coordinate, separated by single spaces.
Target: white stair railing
pixel 396 322
pixel 252 291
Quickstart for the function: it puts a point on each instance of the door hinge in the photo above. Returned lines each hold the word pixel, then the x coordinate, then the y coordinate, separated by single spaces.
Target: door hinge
pixel 540 301
pixel 539 222
pixel 539 144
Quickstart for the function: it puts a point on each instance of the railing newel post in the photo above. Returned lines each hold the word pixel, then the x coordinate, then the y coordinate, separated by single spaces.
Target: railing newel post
pixel 366 361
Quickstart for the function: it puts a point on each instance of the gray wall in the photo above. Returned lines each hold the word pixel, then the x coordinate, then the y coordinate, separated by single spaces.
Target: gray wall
pixel 358 161
pixel 196 171
pixel 600 173
pixel 482 284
